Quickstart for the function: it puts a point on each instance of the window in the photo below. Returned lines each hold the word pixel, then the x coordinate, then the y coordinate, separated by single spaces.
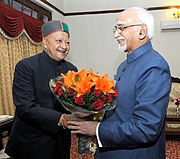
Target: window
pixel 45 18
pixel 17 6
pixel 30 8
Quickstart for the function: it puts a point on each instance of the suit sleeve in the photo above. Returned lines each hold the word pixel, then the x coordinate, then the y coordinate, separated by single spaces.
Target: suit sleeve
pixel 27 108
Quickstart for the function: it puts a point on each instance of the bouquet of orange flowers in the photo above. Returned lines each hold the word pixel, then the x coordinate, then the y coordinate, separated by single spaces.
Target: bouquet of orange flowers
pixel 85 94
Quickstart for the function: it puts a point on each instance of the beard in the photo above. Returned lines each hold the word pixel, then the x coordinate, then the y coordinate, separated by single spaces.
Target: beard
pixel 122 47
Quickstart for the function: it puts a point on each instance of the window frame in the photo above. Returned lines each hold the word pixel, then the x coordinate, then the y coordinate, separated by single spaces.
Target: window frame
pixel 33 6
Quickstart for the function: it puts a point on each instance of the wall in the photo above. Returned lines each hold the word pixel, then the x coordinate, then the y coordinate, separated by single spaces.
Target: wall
pixel 168 43
pixel 92 42
pixel 87 5
pixel 55 14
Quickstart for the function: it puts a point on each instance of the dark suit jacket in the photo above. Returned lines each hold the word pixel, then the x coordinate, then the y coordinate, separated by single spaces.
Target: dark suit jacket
pixel 135 129
pixel 35 133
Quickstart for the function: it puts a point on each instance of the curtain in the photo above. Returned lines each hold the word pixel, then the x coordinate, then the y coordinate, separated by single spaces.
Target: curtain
pixel 12 51
pixel 15 23
pixel 20 37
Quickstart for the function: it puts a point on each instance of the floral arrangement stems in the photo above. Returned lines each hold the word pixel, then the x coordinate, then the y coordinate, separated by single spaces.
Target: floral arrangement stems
pixel 84 144
pixel 88 143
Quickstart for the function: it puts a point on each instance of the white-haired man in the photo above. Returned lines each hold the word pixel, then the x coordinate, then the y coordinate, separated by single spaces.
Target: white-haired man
pixel 135 129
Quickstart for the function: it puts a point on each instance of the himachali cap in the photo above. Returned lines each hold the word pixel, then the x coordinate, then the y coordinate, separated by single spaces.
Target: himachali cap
pixel 53 26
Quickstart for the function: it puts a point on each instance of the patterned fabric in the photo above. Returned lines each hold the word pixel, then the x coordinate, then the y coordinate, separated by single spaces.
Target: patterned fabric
pixel 74 149
pixel 173 147
pixel 11 52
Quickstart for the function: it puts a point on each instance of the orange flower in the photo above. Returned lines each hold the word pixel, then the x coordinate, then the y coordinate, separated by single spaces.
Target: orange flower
pixel 83 86
pixel 105 85
pixel 81 81
pixel 69 79
pixel 87 89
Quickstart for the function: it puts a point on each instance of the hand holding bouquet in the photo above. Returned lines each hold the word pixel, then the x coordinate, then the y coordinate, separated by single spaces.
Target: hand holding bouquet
pixel 85 94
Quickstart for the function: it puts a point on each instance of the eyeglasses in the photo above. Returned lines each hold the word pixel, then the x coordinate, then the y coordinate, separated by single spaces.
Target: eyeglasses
pixel 120 28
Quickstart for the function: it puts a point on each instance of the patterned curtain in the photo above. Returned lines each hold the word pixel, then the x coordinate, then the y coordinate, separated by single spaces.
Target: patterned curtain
pixel 12 51
pixel 15 23
pixel 20 37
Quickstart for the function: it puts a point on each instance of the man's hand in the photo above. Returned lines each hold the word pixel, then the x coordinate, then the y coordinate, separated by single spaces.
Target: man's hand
pixel 83 127
pixel 63 121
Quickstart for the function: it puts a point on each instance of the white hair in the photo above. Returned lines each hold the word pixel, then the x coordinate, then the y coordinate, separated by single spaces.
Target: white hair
pixel 145 18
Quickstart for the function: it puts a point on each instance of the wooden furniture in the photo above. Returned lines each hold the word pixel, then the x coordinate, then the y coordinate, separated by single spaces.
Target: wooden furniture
pixel 173 112
pixel 172 125
pixel 5 128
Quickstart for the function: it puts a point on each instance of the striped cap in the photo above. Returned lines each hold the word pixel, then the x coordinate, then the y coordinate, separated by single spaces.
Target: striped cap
pixel 53 26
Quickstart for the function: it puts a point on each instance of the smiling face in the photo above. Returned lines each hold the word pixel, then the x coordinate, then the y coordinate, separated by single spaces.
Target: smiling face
pixel 57 45
pixel 129 32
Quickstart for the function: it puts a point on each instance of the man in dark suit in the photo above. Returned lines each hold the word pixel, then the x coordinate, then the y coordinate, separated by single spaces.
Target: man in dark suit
pixel 135 129
pixel 38 131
